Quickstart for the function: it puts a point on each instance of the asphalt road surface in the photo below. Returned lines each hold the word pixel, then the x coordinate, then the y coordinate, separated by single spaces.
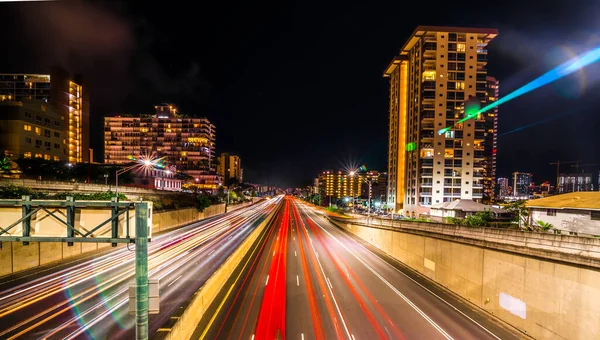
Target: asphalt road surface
pixel 306 279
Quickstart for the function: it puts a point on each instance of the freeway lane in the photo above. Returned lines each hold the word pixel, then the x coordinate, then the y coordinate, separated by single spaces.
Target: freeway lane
pixel 335 288
pixel 89 299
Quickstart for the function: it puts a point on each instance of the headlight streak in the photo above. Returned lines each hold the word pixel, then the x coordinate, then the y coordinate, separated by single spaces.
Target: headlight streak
pixel 167 252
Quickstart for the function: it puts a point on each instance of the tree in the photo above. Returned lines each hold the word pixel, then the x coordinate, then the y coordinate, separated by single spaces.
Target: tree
pixel 520 212
pixel 202 202
pixel 479 219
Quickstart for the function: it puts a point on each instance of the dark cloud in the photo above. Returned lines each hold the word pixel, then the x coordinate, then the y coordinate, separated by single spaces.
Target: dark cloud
pixel 109 46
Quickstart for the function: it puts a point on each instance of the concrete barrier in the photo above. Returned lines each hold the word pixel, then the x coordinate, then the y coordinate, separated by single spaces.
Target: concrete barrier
pixel 189 319
pixel 545 299
pixel 570 249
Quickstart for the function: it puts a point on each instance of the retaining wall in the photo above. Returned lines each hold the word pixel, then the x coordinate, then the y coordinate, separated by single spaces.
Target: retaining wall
pixel 545 299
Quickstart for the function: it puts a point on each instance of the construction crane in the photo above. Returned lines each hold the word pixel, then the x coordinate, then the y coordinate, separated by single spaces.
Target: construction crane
pixel 558 163
pixel 577 166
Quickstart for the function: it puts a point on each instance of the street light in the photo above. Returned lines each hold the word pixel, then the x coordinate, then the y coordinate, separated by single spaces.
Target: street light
pixel 146 164
pixel 105 179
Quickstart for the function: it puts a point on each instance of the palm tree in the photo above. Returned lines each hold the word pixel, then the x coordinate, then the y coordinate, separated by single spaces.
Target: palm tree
pixel 545 226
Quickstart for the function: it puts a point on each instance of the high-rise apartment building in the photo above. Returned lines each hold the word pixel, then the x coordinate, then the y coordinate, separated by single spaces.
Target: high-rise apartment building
pixel 334 185
pixel 66 94
pixel 490 143
pixel 437 71
pixel 20 87
pixel 522 184
pixel 575 182
pixel 230 167
pixel 32 129
pixel 504 188
pixel 188 143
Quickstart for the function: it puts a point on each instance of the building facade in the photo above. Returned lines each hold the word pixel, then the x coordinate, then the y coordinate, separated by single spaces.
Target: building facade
pixel 187 143
pixel 159 179
pixel 522 184
pixel 490 143
pixel 571 213
pixel 66 94
pixel 504 188
pixel 32 129
pixel 335 185
pixel 230 167
pixel 575 182
pixel 437 71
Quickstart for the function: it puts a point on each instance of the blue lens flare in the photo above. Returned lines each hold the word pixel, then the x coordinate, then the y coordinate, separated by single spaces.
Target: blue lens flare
pixel 556 73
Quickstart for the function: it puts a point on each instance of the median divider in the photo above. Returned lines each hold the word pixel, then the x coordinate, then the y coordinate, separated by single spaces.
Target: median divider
pixel 187 320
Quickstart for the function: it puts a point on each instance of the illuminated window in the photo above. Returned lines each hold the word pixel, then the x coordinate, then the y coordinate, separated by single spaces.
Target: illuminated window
pixel 460 85
pixel 429 75
pixel 27 154
pixel 27 127
pixel 449 153
pixel 56 159
pixel 426 153
pixel 460 47
pixel 38 155
pixel 38 131
pixel 47 157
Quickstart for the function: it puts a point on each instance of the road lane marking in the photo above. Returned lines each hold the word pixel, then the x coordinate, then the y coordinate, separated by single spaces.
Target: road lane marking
pixel 295 253
pixel 353 338
pixel 294 238
pixel 302 335
pixel 297 281
pixel 407 300
pixel 330 291
pixel 273 252
pixel 267 280
pixel 169 285
pixel 252 336
pixel 329 282
pixel 420 285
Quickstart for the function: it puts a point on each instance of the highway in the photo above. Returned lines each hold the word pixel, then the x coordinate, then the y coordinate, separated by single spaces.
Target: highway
pixel 88 299
pixel 307 279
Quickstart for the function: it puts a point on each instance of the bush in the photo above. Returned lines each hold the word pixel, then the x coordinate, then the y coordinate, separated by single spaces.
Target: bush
pixel 202 202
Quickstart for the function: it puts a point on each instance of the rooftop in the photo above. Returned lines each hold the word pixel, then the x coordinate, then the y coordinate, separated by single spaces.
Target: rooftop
pixel 573 200
pixel 420 31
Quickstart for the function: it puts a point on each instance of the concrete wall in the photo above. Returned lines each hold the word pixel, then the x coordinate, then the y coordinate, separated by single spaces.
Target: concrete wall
pixel 132 193
pixel 15 257
pixel 545 299
pixel 569 220
pixel 564 248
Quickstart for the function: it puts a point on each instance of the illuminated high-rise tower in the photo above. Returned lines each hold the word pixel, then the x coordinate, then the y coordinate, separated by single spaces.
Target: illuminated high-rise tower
pixel 490 141
pixel 437 71
pixel 67 94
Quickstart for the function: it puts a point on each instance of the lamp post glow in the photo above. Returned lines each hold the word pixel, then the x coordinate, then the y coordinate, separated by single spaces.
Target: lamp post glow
pixel 147 164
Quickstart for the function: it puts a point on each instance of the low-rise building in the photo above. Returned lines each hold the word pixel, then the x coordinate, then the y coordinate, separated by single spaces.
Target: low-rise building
pixel 462 208
pixel 159 179
pixel 573 213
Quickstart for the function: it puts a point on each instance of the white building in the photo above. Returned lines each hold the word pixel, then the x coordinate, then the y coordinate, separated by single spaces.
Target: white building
pixel 573 213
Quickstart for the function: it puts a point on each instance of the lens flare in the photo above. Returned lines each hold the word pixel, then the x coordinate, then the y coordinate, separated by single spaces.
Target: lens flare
pixel 556 73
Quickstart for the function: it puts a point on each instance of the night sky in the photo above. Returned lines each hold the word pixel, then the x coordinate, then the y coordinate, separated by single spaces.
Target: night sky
pixel 297 87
